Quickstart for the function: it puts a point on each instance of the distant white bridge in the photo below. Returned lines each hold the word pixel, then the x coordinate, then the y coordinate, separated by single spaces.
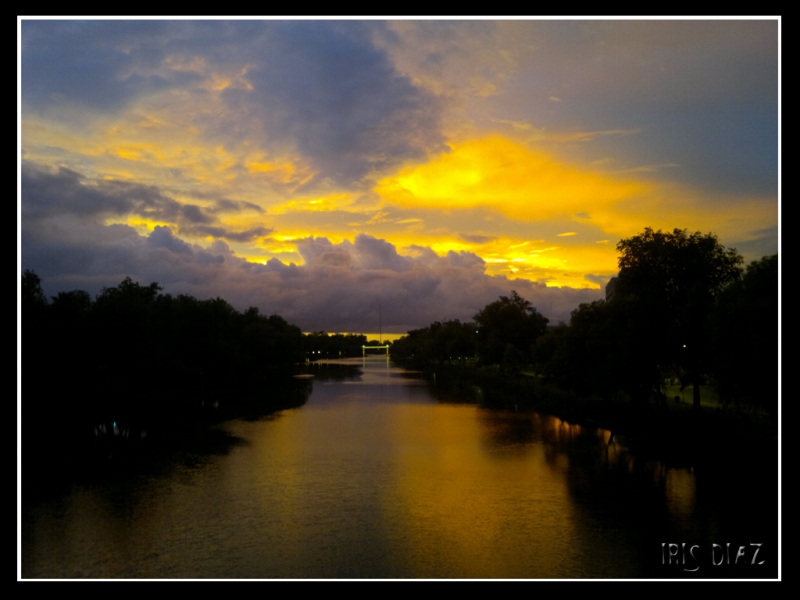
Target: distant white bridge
pixel 364 350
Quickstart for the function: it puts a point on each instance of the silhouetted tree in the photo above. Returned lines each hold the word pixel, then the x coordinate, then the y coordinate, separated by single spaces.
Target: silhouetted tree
pixel 746 337
pixel 460 341
pixel 145 359
pixel 72 306
pixel 440 343
pixel 35 330
pixel 412 347
pixel 675 278
pixel 514 360
pixel 509 320
pixel 69 344
pixel 603 350
pixel 31 291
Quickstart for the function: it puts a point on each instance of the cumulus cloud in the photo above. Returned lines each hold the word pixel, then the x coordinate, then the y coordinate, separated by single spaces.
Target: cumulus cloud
pixel 465 259
pixel 340 287
pixel 321 252
pixel 162 238
pixel 373 254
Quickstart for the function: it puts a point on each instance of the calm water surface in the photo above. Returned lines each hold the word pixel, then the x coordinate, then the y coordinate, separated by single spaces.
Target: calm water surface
pixel 373 478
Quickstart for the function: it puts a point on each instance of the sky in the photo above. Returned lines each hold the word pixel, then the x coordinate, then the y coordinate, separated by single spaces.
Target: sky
pixel 329 170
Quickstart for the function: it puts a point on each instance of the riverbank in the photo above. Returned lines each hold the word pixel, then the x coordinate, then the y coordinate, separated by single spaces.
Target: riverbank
pixel 672 433
pixel 61 449
pixel 65 447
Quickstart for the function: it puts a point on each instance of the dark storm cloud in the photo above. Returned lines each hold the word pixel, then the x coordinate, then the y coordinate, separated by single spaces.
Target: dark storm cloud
pixel 224 205
pixel 54 193
pixel 327 88
pixel 50 193
pixel 94 63
pixel 194 214
pixel 322 88
pixel 162 237
pixel 233 236
pixel 47 192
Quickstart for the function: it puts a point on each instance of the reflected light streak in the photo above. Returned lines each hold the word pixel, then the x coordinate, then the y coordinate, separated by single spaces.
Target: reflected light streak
pixel 454 498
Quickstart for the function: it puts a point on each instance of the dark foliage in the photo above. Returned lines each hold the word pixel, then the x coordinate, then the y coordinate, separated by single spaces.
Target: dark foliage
pixel 603 351
pixel 508 321
pixel 681 310
pixel 675 279
pixel 746 338
pixel 142 359
pixel 451 343
pixel 322 345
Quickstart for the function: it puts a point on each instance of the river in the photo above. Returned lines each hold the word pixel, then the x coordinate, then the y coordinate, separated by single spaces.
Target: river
pixel 374 478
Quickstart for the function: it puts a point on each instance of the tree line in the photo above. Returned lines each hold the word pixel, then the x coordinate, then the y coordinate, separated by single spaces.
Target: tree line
pixel 134 360
pixel 319 344
pixel 501 335
pixel 134 346
pixel 136 353
pixel 682 308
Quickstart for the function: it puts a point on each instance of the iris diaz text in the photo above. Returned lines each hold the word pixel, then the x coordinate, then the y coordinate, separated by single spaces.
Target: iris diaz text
pixel 690 556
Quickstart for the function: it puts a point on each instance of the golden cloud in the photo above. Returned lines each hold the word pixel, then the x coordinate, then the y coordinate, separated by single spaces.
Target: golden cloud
pixel 505 176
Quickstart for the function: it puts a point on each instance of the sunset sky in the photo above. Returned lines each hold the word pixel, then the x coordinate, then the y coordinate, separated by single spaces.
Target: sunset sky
pixel 322 169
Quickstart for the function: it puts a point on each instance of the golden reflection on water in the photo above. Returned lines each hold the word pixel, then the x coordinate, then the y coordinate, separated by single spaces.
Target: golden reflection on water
pixel 460 501
pixel 680 493
pixel 464 492
pixel 373 478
